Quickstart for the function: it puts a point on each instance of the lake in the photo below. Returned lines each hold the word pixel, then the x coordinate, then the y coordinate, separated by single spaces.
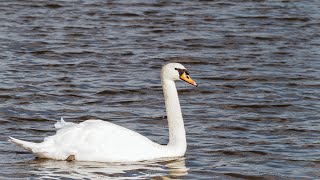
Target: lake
pixel 254 115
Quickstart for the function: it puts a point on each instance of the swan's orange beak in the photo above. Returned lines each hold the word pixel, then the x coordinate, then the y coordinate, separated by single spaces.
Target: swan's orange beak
pixel 186 77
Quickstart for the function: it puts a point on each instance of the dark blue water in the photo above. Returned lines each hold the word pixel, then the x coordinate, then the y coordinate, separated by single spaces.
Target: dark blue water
pixel 255 114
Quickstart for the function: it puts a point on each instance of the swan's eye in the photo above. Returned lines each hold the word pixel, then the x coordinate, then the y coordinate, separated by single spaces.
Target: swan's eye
pixel 181 71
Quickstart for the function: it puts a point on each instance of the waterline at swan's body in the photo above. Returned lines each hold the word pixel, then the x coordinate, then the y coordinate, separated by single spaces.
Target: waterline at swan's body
pixel 97 140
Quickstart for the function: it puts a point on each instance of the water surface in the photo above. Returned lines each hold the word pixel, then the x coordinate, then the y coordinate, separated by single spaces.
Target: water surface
pixel 255 114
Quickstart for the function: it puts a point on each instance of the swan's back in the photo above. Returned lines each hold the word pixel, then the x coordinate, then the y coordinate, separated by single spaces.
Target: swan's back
pixel 91 139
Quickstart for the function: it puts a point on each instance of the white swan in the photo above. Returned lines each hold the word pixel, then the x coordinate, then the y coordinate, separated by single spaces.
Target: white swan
pixel 97 140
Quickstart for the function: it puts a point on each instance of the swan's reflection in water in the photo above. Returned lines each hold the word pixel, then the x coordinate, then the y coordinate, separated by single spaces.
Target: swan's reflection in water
pixel 164 168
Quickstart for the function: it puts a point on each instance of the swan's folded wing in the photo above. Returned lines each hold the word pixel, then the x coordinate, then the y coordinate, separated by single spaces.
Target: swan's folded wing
pixel 62 124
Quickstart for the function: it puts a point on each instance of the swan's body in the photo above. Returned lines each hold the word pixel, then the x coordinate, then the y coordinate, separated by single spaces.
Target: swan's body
pixel 97 140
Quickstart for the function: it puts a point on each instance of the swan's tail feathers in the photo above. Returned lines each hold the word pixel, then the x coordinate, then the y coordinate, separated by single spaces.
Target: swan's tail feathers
pixel 35 148
pixel 30 146
pixel 61 124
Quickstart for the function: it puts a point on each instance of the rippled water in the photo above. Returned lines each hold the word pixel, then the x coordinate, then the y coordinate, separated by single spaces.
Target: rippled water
pixel 255 114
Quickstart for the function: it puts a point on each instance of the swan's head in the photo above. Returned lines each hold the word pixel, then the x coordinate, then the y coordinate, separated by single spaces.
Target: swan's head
pixel 176 71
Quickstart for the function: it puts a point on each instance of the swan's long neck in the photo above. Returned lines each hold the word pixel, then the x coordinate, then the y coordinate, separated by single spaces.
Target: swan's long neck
pixel 177 134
